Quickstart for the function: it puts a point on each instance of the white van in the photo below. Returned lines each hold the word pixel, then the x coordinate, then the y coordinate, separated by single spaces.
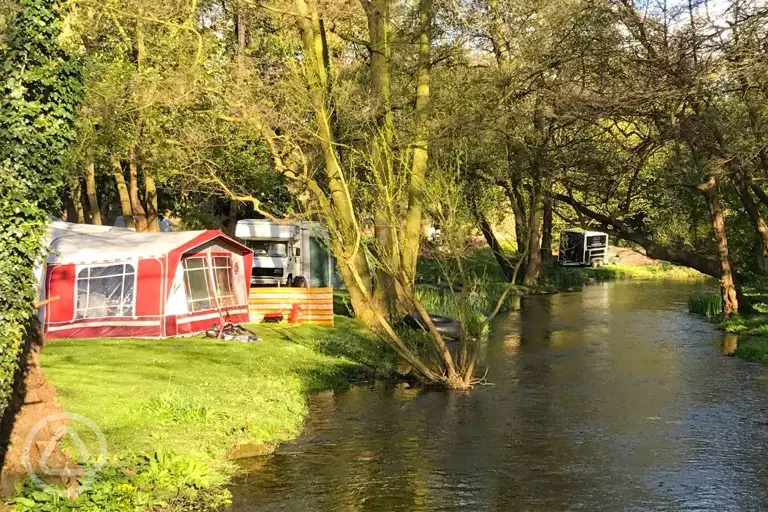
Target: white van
pixel 287 254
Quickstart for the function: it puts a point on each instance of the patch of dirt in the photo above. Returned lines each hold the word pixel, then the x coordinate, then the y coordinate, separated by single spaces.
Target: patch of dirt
pixel 631 257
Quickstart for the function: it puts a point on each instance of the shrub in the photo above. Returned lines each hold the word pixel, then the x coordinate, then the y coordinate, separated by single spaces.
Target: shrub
pixel 164 481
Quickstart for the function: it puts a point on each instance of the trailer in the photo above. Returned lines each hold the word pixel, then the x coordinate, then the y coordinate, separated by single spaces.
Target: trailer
pixel 579 247
pixel 291 254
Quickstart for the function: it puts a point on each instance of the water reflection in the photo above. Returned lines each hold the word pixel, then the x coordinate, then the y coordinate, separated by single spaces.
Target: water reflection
pixel 729 344
pixel 610 399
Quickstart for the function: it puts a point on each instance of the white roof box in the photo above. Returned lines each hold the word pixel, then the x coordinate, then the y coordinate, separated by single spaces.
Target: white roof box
pixel 585 232
pixel 264 229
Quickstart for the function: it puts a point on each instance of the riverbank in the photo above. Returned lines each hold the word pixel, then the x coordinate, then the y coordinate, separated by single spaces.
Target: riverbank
pixel 753 335
pixel 752 330
pixel 176 413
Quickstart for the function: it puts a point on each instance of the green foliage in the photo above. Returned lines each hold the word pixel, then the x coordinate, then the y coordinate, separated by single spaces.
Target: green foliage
pixel 754 325
pixel 176 407
pixel 40 89
pixel 708 304
pixel 163 481
pixel 565 278
pixel 475 303
pixel 479 264
pixel 753 349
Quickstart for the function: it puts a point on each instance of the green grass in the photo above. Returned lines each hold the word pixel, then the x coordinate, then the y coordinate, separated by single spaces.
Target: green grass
pixel 752 331
pixel 175 412
pixel 661 271
pixel 568 278
pixel 199 397
pixel 753 349
pixel 708 304
pixel 481 265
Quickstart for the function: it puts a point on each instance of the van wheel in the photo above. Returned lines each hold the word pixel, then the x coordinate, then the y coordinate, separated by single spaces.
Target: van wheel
pixel 299 282
pixel 289 280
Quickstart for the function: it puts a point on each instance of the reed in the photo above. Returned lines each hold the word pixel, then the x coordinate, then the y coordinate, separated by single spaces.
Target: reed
pixel 476 303
pixel 709 304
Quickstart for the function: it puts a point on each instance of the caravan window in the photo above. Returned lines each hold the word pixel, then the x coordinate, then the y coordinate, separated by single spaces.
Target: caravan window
pixel 222 277
pixel 196 282
pixel 106 291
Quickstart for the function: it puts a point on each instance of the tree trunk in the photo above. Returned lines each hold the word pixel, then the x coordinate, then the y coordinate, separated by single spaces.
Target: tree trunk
pixel 533 266
pixel 493 243
pixel 233 217
pixel 387 294
pixel 90 190
pixel 758 223
pixel 76 194
pixel 139 215
pixel 760 193
pixel 546 229
pixel 338 205
pixel 150 191
pixel 122 192
pixel 727 286
pixel 412 230
pixel 70 211
pixel 498 253
pixel 240 31
pixel 512 187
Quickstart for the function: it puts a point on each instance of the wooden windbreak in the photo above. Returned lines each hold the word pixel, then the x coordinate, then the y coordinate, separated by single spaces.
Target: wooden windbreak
pixel 316 303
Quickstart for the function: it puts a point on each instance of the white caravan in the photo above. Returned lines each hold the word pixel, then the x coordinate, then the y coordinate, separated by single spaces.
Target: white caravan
pixel 287 254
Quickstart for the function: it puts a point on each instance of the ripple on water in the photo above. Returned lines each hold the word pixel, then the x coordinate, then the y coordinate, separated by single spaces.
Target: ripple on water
pixel 610 399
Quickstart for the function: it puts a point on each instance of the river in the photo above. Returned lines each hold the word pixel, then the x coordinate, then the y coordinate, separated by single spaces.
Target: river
pixel 614 398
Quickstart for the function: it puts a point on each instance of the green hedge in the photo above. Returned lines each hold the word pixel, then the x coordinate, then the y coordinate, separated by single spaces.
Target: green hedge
pixel 41 85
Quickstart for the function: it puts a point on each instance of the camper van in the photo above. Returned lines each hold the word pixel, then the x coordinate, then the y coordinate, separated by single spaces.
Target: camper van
pixel 583 248
pixel 287 254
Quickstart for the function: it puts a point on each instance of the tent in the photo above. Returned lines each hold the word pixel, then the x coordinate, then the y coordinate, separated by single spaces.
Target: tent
pixel 114 282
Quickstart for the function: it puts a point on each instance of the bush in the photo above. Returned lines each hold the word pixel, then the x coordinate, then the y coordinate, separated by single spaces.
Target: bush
pixel 164 481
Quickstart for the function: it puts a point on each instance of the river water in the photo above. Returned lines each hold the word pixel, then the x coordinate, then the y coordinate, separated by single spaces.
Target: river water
pixel 614 398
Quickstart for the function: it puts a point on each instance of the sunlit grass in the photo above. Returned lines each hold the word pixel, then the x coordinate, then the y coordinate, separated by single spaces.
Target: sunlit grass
pixel 198 397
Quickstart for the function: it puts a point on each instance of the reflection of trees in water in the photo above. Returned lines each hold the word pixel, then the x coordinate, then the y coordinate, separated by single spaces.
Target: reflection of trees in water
pixel 592 406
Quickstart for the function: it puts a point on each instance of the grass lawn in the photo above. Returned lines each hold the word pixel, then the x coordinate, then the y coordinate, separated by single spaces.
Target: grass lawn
pixel 198 397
